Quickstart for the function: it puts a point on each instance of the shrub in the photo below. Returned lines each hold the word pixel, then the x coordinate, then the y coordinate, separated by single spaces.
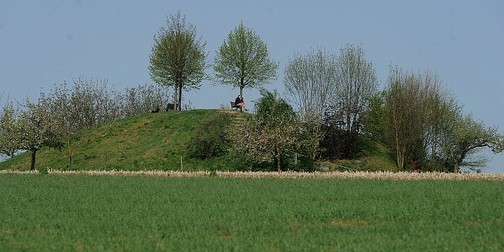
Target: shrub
pixel 210 138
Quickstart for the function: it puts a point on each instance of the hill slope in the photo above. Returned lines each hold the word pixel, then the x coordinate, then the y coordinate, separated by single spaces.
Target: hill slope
pixel 158 141
pixel 155 141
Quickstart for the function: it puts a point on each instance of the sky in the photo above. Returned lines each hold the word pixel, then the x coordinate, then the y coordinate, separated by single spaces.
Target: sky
pixel 43 43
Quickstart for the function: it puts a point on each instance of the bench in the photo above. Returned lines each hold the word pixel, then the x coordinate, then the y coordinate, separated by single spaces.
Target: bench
pixel 170 106
pixel 234 106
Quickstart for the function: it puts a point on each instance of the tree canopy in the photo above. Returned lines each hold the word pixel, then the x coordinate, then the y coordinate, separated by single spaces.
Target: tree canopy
pixel 310 81
pixel 178 57
pixel 243 60
pixel 355 84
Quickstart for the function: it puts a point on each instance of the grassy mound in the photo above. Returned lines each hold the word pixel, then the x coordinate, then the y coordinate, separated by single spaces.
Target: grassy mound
pixel 159 141
pixel 156 141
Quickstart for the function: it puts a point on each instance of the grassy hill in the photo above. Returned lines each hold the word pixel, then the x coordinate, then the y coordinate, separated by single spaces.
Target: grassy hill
pixel 155 141
pixel 158 141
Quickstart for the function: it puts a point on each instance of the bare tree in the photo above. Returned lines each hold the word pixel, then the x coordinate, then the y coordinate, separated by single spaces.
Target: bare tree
pixel 144 99
pixel 310 81
pixel 89 104
pixel 355 83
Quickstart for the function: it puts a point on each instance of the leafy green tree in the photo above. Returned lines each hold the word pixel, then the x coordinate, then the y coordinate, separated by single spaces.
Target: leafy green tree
pixel 178 58
pixel 374 120
pixel 405 113
pixel 243 60
pixel 274 115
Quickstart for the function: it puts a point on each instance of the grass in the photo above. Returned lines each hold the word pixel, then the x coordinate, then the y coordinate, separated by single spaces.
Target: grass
pixel 155 141
pixel 159 141
pixel 138 213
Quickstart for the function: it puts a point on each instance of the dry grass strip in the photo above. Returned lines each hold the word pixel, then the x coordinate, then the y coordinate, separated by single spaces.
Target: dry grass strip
pixel 288 175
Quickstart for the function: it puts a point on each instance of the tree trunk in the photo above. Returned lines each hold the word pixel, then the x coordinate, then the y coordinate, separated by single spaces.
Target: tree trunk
pixel 180 97
pixel 278 159
pixel 400 160
pixel 33 155
pixel 456 167
pixel 69 152
pixel 399 153
pixel 175 98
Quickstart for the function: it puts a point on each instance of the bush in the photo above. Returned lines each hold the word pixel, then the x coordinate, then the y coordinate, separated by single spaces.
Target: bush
pixel 340 144
pixel 210 138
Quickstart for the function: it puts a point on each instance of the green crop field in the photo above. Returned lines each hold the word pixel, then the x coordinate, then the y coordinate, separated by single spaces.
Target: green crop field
pixel 145 213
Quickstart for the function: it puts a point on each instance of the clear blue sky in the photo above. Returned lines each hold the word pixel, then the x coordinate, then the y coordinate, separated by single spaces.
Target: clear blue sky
pixel 47 42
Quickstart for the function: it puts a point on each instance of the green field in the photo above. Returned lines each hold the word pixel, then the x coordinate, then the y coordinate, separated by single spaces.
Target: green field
pixel 145 213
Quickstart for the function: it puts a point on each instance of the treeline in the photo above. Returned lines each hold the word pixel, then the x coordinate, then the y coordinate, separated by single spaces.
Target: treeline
pixel 336 99
pixel 338 112
pixel 57 115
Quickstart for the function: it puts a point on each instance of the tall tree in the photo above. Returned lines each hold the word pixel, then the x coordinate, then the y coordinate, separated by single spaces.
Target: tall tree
pixel 178 58
pixel 356 82
pixel 243 60
pixel 438 107
pixel 405 114
pixel 310 81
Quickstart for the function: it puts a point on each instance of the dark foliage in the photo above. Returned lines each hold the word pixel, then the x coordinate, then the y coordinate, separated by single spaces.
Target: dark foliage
pixel 338 143
pixel 210 139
